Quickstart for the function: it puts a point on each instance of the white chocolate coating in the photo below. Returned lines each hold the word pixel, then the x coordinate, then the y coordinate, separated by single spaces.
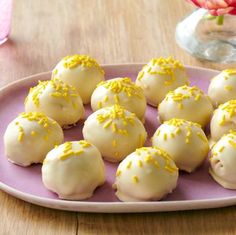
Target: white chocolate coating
pixel 120 91
pixel 29 137
pixel 188 103
pixel 223 87
pixel 57 100
pixel 223 161
pixel 115 131
pixel 223 120
pixel 146 174
pixel 185 141
pixel 159 77
pixel 80 71
pixel 73 170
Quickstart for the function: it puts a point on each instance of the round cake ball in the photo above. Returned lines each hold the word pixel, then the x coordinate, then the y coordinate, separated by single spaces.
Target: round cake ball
pixel 57 100
pixel 120 91
pixel 223 161
pixel 223 120
pixel 73 170
pixel 29 137
pixel 159 77
pixel 188 103
pixel 146 174
pixel 80 71
pixel 223 87
pixel 115 131
pixel 185 141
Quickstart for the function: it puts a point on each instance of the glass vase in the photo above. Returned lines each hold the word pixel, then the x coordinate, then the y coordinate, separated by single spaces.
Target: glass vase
pixel 205 37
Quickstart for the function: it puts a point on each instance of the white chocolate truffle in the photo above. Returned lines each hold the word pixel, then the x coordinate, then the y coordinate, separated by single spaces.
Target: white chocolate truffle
pixel 223 120
pixel 188 103
pixel 29 137
pixel 120 91
pixel 223 87
pixel 185 141
pixel 73 170
pixel 146 174
pixel 115 131
pixel 159 77
pixel 223 161
pixel 80 71
pixel 57 100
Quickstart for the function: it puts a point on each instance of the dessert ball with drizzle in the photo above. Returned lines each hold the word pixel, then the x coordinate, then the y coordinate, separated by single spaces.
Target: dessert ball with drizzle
pixel 57 100
pixel 120 91
pixel 223 161
pixel 145 175
pixel 73 170
pixel 185 141
pixel 160 76
pixel 115 131
pixel 223 120
pixel 188 103
pixel 29 137
pixel 223 87
pixel 80 71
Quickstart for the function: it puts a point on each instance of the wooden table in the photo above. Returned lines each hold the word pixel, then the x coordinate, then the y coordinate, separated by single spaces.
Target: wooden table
pixel 112 31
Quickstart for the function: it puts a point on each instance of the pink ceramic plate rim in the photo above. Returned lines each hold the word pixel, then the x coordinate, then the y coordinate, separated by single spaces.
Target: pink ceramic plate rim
pixel 114 207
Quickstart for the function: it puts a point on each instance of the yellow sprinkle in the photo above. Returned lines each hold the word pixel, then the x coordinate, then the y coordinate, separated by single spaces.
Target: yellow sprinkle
pixel 177 131
pixel 33 133
pixel 20 136
pixel 180 106
pixel 202 137
pixel 117 99
pixel 140 75
pixel 221 148
pixel 197 97
pixel 156 164
pixel 148 159
pixel 129 165
pixel 140 163
pixel 228 87
pixel 135 179
pixel 105 99
pixel 114 127
pixel 165 136
pixel 107 124
pixel 230 71
pixel 99 104
pixel 232 143
pixel 171 169
pixel 84 144
pixel 114 143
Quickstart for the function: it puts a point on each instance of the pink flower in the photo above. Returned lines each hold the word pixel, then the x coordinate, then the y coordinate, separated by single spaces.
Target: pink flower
pixel 217 7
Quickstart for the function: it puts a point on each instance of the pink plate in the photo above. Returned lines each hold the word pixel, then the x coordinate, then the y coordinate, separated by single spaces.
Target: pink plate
pixel 194 191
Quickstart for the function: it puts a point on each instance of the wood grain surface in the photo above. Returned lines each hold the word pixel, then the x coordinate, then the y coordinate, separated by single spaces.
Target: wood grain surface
pixel 112 31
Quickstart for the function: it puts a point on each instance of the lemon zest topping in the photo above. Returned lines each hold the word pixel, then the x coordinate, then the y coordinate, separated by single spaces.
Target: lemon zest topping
pixel 73 61
pixel 162 66
pixel 69 152
pixel 135 179
pixel 120 85
pixel 114 113
pixel 60 90
pixel 149 159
